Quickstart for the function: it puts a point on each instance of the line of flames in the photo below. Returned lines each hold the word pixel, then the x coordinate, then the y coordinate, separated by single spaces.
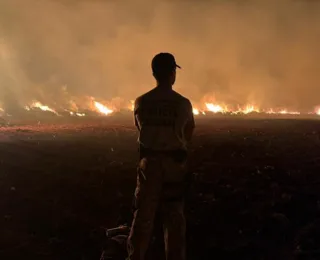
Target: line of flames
pixel 103 109
pixel 214 108
pixel 97 106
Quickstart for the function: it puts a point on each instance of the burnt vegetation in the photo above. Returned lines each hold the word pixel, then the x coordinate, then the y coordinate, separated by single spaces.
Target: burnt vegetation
pixel 255 192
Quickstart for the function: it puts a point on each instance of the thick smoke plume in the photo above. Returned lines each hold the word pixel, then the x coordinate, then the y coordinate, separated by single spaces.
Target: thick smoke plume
pixel 266 52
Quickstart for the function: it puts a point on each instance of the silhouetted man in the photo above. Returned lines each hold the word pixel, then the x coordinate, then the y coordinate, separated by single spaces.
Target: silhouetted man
pixel 165 122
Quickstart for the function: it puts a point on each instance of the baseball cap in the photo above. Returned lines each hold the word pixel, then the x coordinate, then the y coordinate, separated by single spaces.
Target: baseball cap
pixel 163 62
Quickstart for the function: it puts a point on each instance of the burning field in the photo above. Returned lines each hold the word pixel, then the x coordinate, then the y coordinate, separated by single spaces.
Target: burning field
pixel 68 73
pixel 255 193
pixel 92 108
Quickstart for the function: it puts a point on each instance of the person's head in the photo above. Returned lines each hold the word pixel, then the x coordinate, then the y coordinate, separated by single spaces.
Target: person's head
pixel 164 68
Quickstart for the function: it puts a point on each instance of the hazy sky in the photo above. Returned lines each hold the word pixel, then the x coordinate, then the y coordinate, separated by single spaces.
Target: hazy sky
pixel 239 51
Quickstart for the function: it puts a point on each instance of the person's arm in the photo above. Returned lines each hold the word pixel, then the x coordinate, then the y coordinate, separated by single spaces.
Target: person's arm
pixel 190 125
pixel 135 112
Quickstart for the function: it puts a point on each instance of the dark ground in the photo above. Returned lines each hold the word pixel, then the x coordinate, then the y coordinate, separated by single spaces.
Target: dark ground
pixel 256 194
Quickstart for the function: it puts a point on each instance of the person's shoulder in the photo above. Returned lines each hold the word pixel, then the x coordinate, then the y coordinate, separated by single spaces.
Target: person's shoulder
pixel 182 98
pixel 138 100
pixel 144 96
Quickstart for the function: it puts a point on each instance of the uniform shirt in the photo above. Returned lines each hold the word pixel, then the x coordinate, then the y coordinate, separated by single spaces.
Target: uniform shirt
pixel 161 116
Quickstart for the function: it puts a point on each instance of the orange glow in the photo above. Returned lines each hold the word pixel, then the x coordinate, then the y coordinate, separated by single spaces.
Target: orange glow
pixel 102 109
pixel 77 114
pixel 196 111
pixel 215 108
pixel 37 104
pixel 203 108
pixel 131 107
pixel 247 109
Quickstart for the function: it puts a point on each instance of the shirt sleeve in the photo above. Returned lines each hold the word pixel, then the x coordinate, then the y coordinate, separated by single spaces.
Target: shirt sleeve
pixel 190 116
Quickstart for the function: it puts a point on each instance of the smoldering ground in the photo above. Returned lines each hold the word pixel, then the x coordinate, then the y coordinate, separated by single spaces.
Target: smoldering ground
pixel 262 52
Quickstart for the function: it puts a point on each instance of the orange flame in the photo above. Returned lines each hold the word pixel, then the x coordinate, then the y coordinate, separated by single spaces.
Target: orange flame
pixel 102 109
pixel 202 108
pixel 247 109
pixel 196 111
pixel 131 107
pixel 37 104
pixel 77 114
pixel 215 108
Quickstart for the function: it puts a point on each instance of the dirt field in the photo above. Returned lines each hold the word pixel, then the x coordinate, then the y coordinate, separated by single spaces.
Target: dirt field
pixel 256 193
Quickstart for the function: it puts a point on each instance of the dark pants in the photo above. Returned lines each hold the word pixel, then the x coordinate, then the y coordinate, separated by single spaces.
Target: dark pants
pixel 160 188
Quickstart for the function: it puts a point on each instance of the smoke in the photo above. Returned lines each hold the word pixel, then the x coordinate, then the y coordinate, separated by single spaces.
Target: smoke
pixel 264 52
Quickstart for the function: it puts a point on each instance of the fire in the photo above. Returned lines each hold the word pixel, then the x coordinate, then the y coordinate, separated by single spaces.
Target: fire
pixel 102 109
pixel 215 108
pixel 286 112
pixel 77 114
pixel 78 106
pixel 282 112
pixel 196 111
pixel 131 107
pixel 271 111
pixel 247 109
pixel 37 104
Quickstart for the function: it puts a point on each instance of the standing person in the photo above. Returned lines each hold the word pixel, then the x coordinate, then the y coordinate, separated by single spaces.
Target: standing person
pixel 165 122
